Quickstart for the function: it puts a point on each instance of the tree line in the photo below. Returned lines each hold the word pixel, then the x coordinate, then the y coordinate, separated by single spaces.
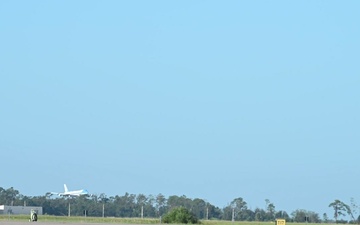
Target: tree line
pixel 155 206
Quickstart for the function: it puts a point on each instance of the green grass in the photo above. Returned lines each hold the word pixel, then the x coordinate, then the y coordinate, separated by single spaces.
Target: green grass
pixel 78 219
pixel 112 220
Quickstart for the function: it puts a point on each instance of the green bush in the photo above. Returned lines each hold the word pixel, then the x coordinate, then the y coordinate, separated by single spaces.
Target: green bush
pixel 180 215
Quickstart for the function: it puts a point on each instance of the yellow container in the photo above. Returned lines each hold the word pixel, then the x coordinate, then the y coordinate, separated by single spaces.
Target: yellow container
pixel 280 222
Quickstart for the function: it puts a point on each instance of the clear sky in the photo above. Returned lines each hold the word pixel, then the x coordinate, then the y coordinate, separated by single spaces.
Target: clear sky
pixel 208 99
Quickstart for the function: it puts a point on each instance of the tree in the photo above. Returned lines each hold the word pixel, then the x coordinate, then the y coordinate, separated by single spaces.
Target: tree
pixel 282 214
pixel 260 214
pixel 199 208
pixel 176 201
pixel 214 212
pixel 125 205
pixel 313 217
pixel 238 205
pixel 247 215
pixel 8 196
pixel 160 204
pixel 354 210
pixel 325 218
pixel 270 207
pixel 301 216
pixel 227 213
pixel 340 209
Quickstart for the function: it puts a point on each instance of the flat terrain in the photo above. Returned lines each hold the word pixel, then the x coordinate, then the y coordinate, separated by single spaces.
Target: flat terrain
pixel 63 220
pixel 9 222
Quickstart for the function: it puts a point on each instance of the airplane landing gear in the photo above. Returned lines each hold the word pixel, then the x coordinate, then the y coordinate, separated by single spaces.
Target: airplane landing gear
pixel 33 216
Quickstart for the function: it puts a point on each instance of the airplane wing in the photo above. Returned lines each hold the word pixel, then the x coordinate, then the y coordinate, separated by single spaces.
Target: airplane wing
pixel 56 193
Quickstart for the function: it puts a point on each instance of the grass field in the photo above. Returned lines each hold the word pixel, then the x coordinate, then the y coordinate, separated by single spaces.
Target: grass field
pixel 112 220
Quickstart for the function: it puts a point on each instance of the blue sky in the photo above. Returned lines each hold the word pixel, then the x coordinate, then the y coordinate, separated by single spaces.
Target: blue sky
pixel 208 99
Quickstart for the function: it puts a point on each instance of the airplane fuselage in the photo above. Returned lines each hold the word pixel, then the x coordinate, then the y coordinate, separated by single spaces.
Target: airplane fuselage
pixel 68 193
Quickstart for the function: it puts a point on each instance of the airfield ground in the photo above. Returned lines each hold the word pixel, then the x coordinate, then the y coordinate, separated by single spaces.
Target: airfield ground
pixel 50 220
pixel 4 222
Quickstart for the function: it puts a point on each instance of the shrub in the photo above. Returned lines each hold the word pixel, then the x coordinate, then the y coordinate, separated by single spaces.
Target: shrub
pixel 180 215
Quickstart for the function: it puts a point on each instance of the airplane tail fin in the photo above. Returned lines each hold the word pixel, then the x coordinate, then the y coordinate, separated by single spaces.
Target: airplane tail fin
pixel 65 188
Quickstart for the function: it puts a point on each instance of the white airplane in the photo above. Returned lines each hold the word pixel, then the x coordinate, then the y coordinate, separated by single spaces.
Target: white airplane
pixel 68 193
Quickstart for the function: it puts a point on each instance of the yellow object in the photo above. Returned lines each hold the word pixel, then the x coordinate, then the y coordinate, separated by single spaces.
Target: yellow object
pixel 280 222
